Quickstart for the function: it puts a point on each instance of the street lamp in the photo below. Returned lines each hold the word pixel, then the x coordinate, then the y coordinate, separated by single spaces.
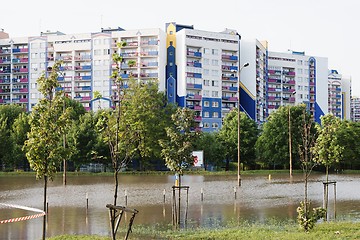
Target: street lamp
pixel 290 150
pixel 238 121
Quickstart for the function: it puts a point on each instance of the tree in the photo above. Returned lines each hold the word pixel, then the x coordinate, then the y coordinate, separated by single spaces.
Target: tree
pixel 327 149
pixel 213 148
pixel 8 114
pixel 83 139
pixel 272 147
pixel 116 134
pixel 177 148
pixel 146 113
pixel 306 217
pixel 248 132
pixel 48 122
pixel 348 135
pixel 18 134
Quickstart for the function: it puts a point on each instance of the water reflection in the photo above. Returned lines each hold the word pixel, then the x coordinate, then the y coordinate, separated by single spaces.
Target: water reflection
pixel 257 200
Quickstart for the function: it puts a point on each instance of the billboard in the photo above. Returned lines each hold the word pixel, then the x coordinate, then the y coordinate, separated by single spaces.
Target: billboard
pixel 198 158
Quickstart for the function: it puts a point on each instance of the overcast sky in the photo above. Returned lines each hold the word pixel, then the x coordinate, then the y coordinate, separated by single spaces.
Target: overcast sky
pixel 325 28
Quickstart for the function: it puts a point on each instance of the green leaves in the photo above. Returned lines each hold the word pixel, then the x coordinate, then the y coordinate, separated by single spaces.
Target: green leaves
pixel 177 148
pixel 48 122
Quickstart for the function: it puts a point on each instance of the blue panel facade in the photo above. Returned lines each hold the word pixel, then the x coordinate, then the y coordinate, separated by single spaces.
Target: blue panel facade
pixel 211 107
pixel 318 113
pixel 171 75
pixel 247 104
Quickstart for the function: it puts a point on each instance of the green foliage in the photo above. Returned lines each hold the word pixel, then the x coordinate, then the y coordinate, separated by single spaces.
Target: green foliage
pixel 307 217
pixel 249 132
pixel 212 146
pixel 327 149
pixel 348 135
pixel 48 122
pixel 272 147
pixel 18 134
pixel 146 114
pixel 177 148
pixel 83 139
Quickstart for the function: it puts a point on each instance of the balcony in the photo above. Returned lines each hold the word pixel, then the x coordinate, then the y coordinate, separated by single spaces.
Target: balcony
pixel 193 86
pixel 20 50
pixel 149 53
pixel 227 78
pixel 194 75
pixel 193 54
pixel 229 68
pixel 197 118
pixel 229 57
pixel 150 42
pixel 197 108
pixel 85 67
pixel 194 64
pixel 229 88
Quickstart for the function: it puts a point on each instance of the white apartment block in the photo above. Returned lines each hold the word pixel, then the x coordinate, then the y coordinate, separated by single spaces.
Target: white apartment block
pixel 355 109
pixel 207 73
pixel 295 78
pixel 339 89
pixel 253 79
pixel 86 67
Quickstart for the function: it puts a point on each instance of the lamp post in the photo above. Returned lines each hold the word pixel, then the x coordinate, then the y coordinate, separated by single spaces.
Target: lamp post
pixel 238 122
pixel 290 142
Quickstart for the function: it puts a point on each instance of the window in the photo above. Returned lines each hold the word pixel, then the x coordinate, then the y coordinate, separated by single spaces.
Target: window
pixel 215 62
pixel 300 62
pixel 34 66
pixel 206 93
pixel 34 96
pixel 97 52
pixel 300 79
pixel 215 94
pixel 171 32
pixel 35 45
pixel 206 114
pixel 215 104
pixel 215 52
pixel 171 43
pixel 206 82
pixel 97 73
pixel 97 41
pixel 106 73
pixel 206 61
pixel 206 72
pixel 215 125
pixel 206 103
pixel 97 62
pixel 214 73
pixel 206 51
pixel 214 83
pixel 106 51
pixel 300 71
pixel 34 55
pixel 206 125
pixel 215 115
pixel 97 83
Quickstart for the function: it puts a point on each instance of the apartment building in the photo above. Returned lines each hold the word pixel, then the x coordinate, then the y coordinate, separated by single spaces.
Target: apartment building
pixel 355 109
pixel 295 78
pixel 253 79
pixel 86 67
pixel 202 69
pixel 339 89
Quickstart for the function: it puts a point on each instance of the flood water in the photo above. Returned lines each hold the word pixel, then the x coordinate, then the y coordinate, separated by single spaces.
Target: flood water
pixel 257 199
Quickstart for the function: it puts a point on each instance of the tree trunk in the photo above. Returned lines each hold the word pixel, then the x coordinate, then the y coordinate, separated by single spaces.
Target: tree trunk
pixel 179 200
pixel 45 210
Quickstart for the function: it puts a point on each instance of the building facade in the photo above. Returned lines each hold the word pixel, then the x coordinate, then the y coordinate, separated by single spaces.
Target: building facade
pixel 202 70
pixel 339 91
pixel 294 78
pixel 87 63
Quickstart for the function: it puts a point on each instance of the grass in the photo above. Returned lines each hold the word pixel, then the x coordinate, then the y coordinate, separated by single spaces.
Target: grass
pixel 249 231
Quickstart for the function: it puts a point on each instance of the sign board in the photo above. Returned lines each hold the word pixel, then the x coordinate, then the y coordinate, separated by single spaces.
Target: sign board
pixel 198 158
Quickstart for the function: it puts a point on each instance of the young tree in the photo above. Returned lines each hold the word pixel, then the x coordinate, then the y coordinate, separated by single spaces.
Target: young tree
pixel 116 133
pixel 327 149
pixel 48 122
pixel 177 148
pixel 306 217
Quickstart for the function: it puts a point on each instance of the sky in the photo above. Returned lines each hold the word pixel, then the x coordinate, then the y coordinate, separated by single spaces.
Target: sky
pixel 323 28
